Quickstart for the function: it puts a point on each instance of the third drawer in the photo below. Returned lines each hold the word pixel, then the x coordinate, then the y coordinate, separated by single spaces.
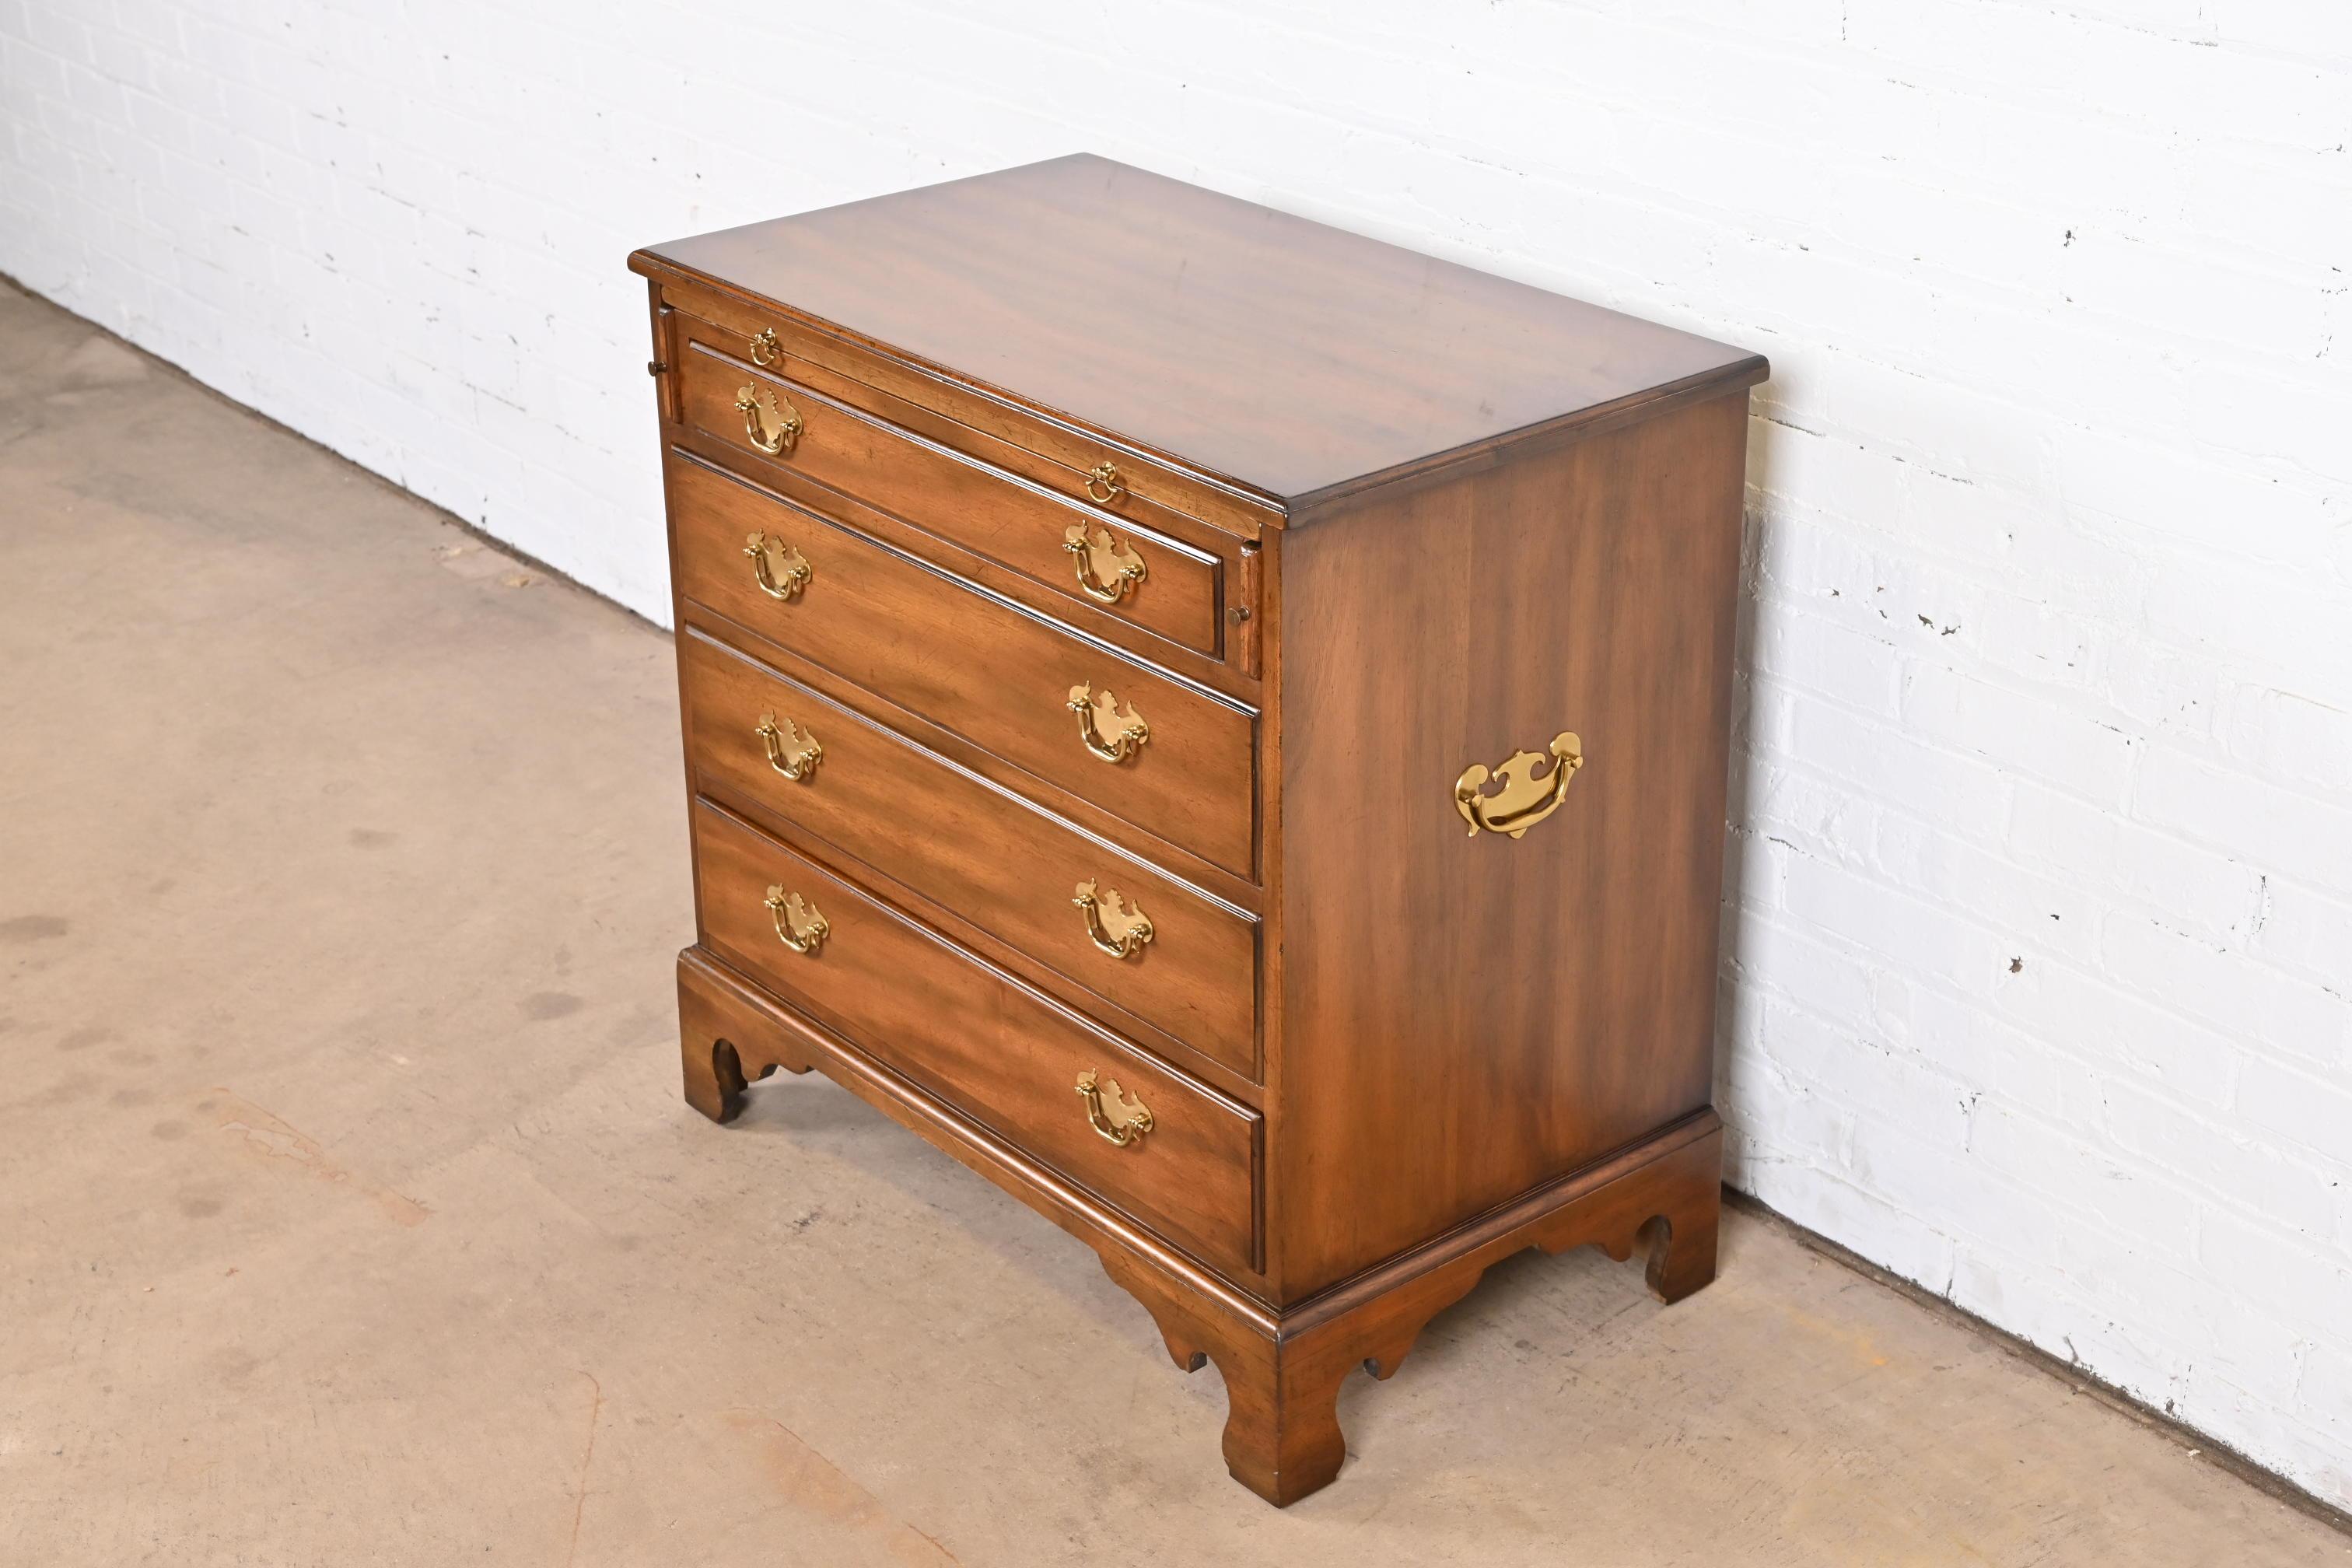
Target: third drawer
pixel 1012 869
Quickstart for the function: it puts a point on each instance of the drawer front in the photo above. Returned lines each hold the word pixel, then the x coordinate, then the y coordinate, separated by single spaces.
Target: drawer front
pixel 1013 871
pixel 731 325
pixel 1006 1056
pixel 1084 553
pixel 1003 678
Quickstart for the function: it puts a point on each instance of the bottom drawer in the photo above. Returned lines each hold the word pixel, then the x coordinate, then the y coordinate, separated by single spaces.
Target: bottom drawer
pixel 1010 1057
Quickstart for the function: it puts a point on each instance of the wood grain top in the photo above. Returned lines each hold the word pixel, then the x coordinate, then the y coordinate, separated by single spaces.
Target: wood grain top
pixel 1266 350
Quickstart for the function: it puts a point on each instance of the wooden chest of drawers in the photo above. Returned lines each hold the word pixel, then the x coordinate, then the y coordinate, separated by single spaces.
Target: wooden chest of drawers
pixel 1220 724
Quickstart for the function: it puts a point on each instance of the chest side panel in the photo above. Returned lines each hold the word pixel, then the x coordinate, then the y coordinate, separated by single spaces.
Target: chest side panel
pixel 1464 1014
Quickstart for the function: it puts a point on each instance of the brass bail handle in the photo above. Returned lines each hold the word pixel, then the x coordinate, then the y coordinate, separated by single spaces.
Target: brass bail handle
pixel 1113 924
pixel 1527 795
pixel 760 409
pixel 779 569
pixel 1097 713
pixel 791 751
pixel 1105 568
pixel 1103 484
pixel 798 924
pixel 1118 1119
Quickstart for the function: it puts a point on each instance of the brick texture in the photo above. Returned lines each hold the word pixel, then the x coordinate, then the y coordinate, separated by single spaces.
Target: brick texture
pixel 2038 983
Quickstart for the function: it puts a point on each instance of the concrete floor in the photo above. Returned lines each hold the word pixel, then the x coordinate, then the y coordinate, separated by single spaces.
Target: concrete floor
pixel 348 1213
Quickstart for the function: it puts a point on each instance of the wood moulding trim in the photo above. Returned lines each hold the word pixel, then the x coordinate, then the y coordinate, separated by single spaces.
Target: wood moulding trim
pixel 1281 1366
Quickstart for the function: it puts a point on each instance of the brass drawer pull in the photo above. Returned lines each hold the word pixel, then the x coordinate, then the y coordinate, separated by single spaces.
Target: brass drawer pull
pixel 1097 713
pixel 1526 796
pixel 1107 569
pixel 797 758
pixel 765 350
pixel 798 925
pixel 1103 484
pixel 781 570
pixel 759 407
pixel 1113 925
pixel 1126 1121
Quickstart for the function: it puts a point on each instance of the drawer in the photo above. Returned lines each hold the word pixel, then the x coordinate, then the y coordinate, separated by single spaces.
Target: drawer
pixel 1005 1055
pixel 980 665
pixel 1009 867
pixel 986 424
pixel 1088 553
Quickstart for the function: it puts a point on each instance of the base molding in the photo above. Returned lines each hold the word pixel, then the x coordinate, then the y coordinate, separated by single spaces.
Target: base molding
pixel 1282 1378
pixel 1282 1367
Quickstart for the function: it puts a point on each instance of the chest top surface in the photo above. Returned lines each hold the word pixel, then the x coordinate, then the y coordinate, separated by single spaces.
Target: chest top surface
pixel 1281 355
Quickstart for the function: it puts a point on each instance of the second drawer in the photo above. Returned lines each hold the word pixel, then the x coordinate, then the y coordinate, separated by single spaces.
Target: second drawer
pixel 1188 964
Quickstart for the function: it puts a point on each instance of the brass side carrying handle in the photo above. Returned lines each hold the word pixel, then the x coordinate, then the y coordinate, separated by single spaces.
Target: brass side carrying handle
pixel 1107 569
pixel 796 758
pixel 1526 796
pixel 779 569
pixel 798 925
pixel 1117 927
pixel 1103 484
pixel 1118 1119
pixel 765 350
pixel 1099 714
pixel 760 409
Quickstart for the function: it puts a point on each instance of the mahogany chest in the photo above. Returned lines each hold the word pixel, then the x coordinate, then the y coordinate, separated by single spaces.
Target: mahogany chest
pixel 1220 724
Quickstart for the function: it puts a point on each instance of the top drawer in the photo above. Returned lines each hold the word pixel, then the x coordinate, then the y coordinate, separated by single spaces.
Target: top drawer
pixel 1086 553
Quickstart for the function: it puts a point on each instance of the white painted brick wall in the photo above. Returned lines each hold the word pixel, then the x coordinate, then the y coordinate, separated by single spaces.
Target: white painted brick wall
pixel 2039 984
